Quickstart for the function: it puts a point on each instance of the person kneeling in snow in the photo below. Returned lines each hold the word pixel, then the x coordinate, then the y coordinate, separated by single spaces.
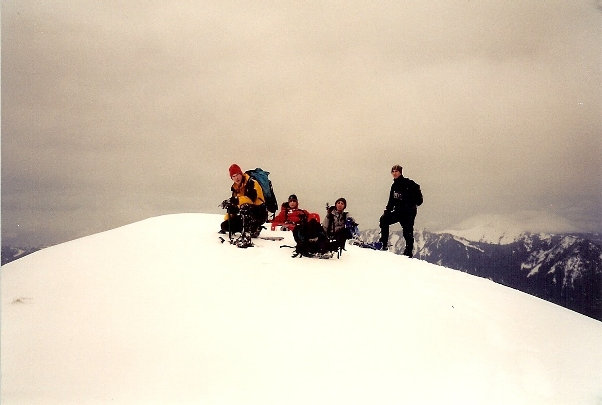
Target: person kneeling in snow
pixel 246 208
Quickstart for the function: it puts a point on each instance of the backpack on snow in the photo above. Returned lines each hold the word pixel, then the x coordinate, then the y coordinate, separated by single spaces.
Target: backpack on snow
pixel 311 238
pixel 261 176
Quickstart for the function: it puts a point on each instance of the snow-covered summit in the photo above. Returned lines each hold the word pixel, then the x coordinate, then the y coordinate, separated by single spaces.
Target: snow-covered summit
pixel 161 312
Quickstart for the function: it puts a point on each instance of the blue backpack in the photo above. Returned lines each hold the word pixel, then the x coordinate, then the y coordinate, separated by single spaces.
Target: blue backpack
pixel 261 176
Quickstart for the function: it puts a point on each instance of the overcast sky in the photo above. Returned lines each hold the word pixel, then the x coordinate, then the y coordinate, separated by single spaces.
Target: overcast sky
pixel 115 111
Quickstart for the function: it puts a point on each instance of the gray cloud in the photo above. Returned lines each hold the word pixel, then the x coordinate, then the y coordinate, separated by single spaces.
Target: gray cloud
pixel 115 112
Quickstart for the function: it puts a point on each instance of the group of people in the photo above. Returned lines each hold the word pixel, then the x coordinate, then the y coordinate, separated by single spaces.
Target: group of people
pixel 246 211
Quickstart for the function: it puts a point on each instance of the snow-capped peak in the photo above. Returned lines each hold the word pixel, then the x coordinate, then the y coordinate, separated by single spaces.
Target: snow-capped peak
pixel 505 229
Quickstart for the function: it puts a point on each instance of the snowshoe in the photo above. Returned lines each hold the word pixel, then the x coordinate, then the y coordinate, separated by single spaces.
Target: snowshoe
pixel 378 245
pixel 244 241
pixel 273 238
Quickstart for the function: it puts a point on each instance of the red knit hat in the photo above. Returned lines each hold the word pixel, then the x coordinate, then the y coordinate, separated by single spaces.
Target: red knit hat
pixel 235 169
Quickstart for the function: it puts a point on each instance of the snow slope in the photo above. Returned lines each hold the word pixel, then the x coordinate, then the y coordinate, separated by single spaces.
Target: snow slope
pixel 159 312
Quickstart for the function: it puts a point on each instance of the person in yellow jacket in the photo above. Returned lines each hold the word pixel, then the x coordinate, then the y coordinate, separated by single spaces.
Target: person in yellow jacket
pixel 246 208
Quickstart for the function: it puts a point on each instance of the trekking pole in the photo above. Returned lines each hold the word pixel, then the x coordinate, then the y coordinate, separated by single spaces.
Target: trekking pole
pixel 230 226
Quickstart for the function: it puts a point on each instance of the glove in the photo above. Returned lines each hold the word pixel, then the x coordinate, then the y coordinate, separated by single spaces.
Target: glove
pixel 224 204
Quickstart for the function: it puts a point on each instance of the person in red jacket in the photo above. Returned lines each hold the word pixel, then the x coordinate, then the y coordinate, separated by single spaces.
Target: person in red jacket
pixel 290 214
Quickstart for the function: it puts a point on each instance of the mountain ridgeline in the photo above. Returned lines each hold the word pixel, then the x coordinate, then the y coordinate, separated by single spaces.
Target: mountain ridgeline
pixel 11 253
pixel 565 269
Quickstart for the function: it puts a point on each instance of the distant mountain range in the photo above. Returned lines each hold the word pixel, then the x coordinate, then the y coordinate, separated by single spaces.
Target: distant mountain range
pixel 565 269
pixel 10 253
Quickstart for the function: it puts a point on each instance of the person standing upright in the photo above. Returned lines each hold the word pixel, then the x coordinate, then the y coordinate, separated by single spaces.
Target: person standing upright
pixel 404 198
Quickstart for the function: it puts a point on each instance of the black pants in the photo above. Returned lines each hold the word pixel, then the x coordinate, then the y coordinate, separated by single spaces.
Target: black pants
pixel 254 217
pixel 406 220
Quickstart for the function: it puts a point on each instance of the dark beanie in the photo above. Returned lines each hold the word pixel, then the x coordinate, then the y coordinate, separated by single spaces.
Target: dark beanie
pixel 235 169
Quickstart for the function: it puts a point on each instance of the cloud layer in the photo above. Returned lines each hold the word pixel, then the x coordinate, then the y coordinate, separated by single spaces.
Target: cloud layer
pixel 115 112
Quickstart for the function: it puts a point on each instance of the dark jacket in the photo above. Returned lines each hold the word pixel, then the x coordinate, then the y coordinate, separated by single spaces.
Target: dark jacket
pixel 405 195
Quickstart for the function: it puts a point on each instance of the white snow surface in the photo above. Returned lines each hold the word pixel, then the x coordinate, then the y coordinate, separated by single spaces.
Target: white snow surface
pixel 160 312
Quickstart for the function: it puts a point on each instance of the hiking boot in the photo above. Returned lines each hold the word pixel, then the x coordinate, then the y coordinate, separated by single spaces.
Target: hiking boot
pixel 255 233
pixel 408 253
